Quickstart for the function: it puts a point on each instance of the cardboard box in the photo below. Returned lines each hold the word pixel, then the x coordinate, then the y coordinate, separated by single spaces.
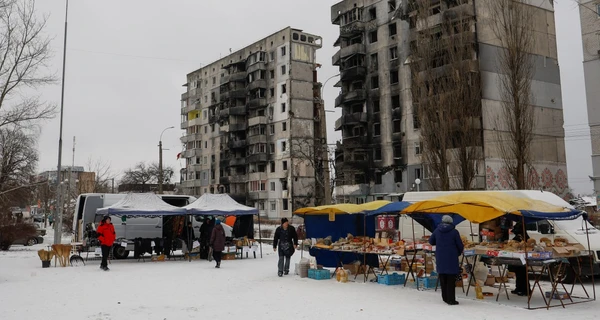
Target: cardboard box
pixel 490 281
pixel 355 268
pixel 568 251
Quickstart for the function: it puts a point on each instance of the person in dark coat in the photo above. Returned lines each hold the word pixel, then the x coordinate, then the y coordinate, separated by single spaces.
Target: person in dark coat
pixel 188 236
pixel 205 234
pixel 521 285
pixel 448 247
pixel 286 239
pixel 217 242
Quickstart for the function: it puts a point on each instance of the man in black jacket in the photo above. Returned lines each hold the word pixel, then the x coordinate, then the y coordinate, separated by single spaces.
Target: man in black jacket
pixel 287 239
pixel 205 233
pixel 521 284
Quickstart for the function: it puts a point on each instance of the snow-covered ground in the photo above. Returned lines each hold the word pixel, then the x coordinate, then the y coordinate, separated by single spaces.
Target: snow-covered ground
pixel 241 289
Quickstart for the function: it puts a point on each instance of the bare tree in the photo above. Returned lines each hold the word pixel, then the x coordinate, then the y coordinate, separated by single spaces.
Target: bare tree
pixel 512 23
pixel 143 174
pixel 446 91
pixel 103 175
pixel 18 160
pixel 314 153
pixel 25 52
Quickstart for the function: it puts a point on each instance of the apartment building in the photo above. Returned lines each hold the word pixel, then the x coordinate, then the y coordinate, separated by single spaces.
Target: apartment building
pixel 80 180
pixel 381 154
pixel 252 121
pixel 590 28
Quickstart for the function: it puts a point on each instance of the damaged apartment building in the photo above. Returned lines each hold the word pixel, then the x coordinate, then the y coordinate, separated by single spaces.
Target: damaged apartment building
pixel 252 125
pixel 382 152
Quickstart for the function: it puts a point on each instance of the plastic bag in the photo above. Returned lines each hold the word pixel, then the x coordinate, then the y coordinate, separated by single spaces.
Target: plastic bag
pixel 313 262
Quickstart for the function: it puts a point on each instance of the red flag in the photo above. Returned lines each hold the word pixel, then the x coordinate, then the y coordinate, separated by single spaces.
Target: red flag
pixel 178 156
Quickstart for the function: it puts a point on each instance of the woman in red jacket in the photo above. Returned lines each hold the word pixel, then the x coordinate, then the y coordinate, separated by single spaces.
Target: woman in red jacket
pixel 106 236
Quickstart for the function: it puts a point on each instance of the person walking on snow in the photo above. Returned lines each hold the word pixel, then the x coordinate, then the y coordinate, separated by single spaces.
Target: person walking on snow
pixel 287 239
pixel 106 236
pixel 448 247
pixel 217 242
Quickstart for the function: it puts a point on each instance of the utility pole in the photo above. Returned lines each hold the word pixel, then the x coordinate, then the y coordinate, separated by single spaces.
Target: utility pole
pixel 58 206
pixel 160 165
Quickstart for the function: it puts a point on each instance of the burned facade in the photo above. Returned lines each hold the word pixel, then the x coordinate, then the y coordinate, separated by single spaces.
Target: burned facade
pixel 244 117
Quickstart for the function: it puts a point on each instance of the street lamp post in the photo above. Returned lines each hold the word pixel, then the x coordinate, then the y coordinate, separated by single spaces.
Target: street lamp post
pixel 325 156
pixel 160 166
pixel 418 183
pixel 58 206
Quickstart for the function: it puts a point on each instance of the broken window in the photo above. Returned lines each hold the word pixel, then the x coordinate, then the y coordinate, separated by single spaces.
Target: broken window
pixel 391 5
pixel 376 129
pixel 394 77
pixel 397 126
pixel 377 154
pixel 374 61
pixel 283 51
pixel 283 88
pixel 272 92
pixel 284 165
pixel 398 176
pixel 283 128
pixel 373 13
pixel 397 151
pixel 393 53
pixel 418 148
pixel 416 122
pixel 395 102
pixel 283 107
pixel 283 70
pixel 373 36
pixel 374 82
pixel 375 106
pixel 285 204
pixel 393 29
pixel 272 74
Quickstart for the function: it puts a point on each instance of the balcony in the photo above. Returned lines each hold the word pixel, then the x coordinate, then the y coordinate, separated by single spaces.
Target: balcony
pixel 224 180
pixel 238 111
pixel 352 96
pixel 258 195
pixel 191 137
pixel 352 29
pixel 356 141
pixel 258 157
pixel 237 127
pixel 224 79
pixel 223 113
pixel 238 94
pixel 237 162
pixel 354 73
pixel 192 153
pixel 335 60
pixel 261 65
pixel 256 103
pixel 239 76
pixel 213 118
pixel 237 144
pixel 357 48
pixel 238 178
pixel 254 176
pixel 353 118
pixel 257 84
pixel 257 139
pixel 257 120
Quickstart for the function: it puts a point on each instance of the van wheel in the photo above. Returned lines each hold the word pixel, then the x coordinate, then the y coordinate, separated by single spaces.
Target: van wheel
pixel 31 242
pixel 120 252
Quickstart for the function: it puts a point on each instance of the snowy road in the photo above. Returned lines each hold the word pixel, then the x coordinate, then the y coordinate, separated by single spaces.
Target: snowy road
pixel 241 289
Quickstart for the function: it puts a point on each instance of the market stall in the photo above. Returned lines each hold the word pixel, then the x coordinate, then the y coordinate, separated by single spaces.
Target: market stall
pixel 544 258
pixel 223 205
pixel 326 224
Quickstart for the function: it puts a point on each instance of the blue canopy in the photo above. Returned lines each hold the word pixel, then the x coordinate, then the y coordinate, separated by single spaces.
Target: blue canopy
pixel 533 216
pixel 394 207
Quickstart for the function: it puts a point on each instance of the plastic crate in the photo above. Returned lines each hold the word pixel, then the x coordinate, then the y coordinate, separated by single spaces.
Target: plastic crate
pixel 319 274
pixel 391 279
pixel 427 282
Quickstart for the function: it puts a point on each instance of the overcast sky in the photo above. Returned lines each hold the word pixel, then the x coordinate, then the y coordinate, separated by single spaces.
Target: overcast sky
pixel 127 61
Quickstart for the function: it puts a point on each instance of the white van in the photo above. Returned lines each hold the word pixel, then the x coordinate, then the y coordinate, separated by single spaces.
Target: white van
pixel 572 230
pixel 133 227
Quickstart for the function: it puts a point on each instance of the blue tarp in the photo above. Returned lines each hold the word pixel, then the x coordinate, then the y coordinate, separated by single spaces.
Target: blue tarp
pixel 533 216
pixel 392 208
pixel 319 226
pixel 431 221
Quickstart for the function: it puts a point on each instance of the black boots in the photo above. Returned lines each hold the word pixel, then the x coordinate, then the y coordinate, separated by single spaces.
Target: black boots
pixel 218 265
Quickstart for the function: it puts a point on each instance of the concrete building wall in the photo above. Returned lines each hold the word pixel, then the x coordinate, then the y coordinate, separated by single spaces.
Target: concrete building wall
pixel 547 148
pixel 234 146
pixel 590 29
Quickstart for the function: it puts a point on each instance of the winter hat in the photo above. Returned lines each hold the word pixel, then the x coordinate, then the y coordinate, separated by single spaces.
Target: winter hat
pixel 217 221
pixel 105 218
pixel 447 219
pixel 284 220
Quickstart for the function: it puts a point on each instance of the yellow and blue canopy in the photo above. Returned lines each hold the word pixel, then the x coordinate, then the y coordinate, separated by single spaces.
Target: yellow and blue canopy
pixel 343 208
pixel 479 207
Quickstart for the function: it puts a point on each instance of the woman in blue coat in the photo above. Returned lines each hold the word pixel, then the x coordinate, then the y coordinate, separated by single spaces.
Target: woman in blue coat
pixel 448 247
